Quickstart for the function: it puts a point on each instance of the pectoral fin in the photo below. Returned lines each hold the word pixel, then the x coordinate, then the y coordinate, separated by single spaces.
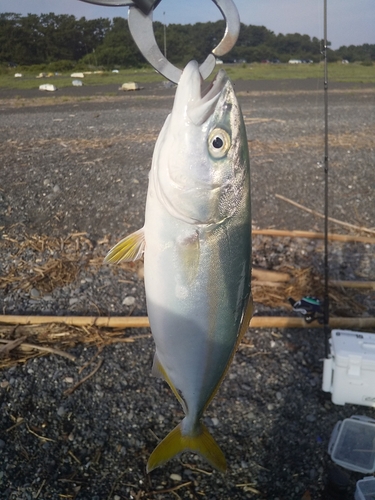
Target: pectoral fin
pixel 129 249
pixel 175 443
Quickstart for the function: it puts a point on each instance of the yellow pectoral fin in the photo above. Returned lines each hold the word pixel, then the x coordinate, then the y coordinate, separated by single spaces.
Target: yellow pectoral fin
pixel 203 444
pixel 129 249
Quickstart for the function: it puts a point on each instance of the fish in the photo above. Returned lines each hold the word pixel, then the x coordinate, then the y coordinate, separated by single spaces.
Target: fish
pixel 196 243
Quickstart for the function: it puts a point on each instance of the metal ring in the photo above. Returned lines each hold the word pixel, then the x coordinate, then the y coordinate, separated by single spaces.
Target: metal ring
pixel 141 28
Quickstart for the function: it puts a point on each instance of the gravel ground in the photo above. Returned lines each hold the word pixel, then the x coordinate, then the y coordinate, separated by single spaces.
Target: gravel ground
pixel 81 166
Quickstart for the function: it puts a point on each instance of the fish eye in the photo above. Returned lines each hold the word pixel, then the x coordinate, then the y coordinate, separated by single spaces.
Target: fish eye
pixel 219 143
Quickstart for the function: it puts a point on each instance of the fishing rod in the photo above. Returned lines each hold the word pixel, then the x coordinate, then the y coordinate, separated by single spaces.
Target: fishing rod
pixel 311 307
pixel 326 185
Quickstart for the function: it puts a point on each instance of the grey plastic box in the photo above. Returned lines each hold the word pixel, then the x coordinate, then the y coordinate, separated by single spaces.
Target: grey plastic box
pixel 352 444
pixel 365 489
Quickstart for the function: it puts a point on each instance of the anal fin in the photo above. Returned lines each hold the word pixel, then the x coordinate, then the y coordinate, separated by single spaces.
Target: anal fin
pixel 159 371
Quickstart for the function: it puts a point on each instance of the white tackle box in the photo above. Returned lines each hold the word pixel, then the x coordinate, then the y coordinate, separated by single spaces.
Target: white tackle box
pixel 352 444
pixel 349 374
pixel 365 489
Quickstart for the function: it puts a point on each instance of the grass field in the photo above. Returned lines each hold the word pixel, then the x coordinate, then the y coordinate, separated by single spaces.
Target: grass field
pixel 354 73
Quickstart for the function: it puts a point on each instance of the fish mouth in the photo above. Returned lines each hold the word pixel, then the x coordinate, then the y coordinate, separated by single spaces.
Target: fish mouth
pixel 193 98
pixel 201 111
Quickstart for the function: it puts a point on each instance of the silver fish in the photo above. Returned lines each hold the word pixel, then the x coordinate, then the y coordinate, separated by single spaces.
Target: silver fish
pixel 196 242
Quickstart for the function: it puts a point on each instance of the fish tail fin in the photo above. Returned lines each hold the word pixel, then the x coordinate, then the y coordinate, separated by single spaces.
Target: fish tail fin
pixel 175 443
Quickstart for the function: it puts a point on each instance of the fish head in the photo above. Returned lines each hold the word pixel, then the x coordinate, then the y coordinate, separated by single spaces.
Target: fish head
pixel 201 162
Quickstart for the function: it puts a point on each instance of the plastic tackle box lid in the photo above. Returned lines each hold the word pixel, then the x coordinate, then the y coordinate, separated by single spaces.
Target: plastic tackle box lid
pixel 365 489
pixel 352 444
pixel 346 345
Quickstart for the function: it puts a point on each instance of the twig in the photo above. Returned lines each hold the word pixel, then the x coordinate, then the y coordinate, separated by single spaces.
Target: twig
pixel 100 349
pixel 40 489
pixel 38 348
pixel 42 438
pixel 196 469
pixel 170 490
pixel 72 389
pixel 116 483
pixel 248 487
pixel 74 457
pixel 318 214
pixel 20 421
pixel 10 345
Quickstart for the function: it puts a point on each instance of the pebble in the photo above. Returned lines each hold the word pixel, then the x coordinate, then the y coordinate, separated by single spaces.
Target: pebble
pixel 175 477
pixel 34 293
pixel 2 444
pixel 311 418
pixel 128 301
pixel 73 301
pixel 215 421
pixel 61 411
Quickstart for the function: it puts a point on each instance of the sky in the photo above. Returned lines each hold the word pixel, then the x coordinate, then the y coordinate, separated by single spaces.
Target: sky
pixel 349 21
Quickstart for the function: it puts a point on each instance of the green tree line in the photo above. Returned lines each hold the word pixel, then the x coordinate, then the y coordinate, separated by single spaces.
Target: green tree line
pixel 50 38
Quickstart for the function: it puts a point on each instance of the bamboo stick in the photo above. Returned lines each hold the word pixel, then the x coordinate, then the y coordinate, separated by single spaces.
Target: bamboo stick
pixel 353 284
pixel 347 238
pixel 265 275
pixel 142 321
pixel 318 214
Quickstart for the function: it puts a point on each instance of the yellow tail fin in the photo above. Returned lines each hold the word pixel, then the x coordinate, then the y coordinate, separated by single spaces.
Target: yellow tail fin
pixel 203 444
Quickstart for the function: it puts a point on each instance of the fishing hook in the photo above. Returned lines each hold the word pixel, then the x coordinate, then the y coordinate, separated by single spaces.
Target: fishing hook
pixel 140 24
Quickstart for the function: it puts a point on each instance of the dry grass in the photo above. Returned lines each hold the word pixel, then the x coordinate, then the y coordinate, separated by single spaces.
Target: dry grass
pixel 18 344
pixel 45 263
pixel 304 282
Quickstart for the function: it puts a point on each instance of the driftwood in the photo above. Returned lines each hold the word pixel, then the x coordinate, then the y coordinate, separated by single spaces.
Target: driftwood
pixel 142 321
